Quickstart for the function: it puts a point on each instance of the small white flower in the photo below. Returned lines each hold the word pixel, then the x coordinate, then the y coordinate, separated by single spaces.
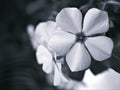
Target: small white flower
pixel 45 55
pixel 50 64
pixel 79 42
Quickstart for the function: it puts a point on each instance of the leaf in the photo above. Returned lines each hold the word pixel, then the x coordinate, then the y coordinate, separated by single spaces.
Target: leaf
pixel 97 67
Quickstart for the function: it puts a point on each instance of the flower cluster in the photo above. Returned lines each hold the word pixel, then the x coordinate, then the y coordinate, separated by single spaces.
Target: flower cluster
pixel 72 39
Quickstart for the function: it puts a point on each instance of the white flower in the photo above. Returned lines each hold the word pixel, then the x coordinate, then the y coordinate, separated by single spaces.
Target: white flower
pixel 50 64
pixel 79 42
pixel 45 55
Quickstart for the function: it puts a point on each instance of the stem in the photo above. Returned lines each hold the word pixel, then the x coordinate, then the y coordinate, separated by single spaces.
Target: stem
pixel 54 59
pixel 104 5
pixel 113 2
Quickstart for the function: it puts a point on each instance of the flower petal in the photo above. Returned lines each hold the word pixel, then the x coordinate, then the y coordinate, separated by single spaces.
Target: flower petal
pixel 95 22
pixel 58 76
pixel 61 42
pixel 31 33
pixel 107 80
pixel 78 58
pixel 44 57
pixel 45 30
pixel 100 47
pixel 70 20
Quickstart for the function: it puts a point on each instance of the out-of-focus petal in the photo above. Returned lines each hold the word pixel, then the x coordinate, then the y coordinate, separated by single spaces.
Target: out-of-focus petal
pixel 44 57
pixel 100 47
pixel 107 80
pixel 45 30
pixel 61 42
pixel 58 76
pixel 78 58
pixel 70 20
pixel 95 22
pixel 31 33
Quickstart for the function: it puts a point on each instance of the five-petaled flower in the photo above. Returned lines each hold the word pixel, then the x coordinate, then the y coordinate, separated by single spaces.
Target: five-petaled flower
pixel 68 36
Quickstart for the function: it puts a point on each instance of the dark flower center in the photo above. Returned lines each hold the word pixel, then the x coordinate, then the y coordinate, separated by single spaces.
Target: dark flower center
pixel 80 37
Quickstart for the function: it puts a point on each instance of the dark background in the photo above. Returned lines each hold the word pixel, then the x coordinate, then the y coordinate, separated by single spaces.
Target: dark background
pixel 18 66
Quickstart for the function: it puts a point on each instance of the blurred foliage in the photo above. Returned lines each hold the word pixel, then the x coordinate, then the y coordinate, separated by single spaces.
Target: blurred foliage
pixel 18 67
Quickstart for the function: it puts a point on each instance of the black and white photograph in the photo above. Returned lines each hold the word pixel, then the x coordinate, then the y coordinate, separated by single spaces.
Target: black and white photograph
pixel 59 45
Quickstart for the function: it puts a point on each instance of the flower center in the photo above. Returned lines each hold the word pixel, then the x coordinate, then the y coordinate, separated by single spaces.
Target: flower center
pixel 80 37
